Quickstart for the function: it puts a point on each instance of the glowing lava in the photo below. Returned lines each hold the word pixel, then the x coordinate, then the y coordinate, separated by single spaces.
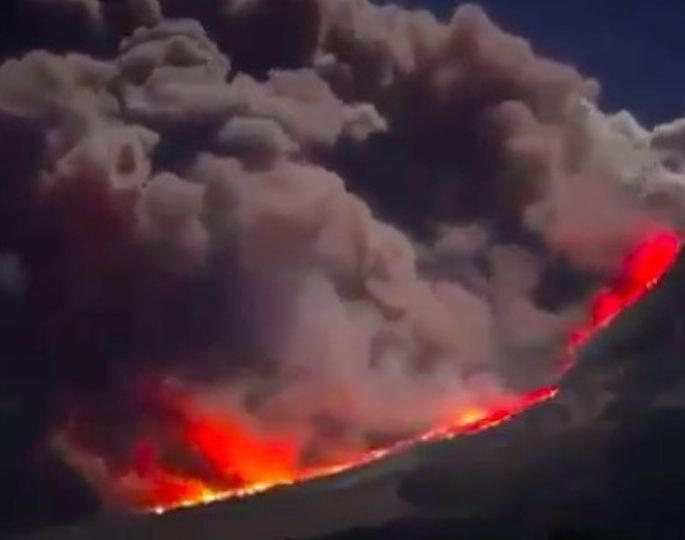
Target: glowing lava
pixel 247 463
pixel 258 465
pixel 642 270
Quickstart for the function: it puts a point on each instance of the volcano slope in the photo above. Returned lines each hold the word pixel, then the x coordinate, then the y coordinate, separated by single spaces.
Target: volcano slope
pixel 603 457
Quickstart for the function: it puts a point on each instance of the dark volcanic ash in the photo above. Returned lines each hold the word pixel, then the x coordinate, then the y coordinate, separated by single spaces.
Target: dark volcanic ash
pixel 332 220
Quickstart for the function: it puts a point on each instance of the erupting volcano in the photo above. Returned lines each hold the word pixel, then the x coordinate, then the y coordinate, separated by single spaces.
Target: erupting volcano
pixel 255 244
pixel 250 464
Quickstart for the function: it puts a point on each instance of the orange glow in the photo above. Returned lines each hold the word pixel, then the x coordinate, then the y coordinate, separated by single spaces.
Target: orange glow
pixel 161 488
pixel 265 465
pixel 470 416
pixel 236 454
pixel 642 270
pixel 244 463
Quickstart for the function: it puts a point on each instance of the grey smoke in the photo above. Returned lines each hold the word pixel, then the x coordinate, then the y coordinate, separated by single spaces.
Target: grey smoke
pixel 219 214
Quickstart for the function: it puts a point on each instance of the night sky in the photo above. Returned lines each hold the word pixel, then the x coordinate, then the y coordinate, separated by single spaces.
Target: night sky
pixel 634 47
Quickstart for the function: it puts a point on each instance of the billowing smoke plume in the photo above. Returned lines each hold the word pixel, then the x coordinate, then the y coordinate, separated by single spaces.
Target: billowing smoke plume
pixel 334 220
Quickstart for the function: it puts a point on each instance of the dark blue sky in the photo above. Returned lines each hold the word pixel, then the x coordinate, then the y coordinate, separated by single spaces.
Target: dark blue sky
pixel 635 47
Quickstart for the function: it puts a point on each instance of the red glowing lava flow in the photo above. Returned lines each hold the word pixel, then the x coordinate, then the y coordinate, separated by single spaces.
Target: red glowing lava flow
pixel 641 271
pixel 250 464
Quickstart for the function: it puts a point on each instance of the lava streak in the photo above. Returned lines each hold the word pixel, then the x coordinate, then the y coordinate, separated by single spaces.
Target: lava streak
pixel 642 270
pixel 254 465
pixel 242 462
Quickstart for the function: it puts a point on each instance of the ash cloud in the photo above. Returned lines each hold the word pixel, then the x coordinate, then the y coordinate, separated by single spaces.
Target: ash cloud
pixel 317 212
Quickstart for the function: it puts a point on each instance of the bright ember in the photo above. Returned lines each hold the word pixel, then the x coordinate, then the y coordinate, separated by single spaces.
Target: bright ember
pixel 247 463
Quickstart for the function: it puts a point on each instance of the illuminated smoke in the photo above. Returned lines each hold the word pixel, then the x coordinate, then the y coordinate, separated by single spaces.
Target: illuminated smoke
pixel 335 236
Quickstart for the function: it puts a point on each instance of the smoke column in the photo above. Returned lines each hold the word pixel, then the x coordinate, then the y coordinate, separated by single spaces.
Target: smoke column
pixel 330 221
